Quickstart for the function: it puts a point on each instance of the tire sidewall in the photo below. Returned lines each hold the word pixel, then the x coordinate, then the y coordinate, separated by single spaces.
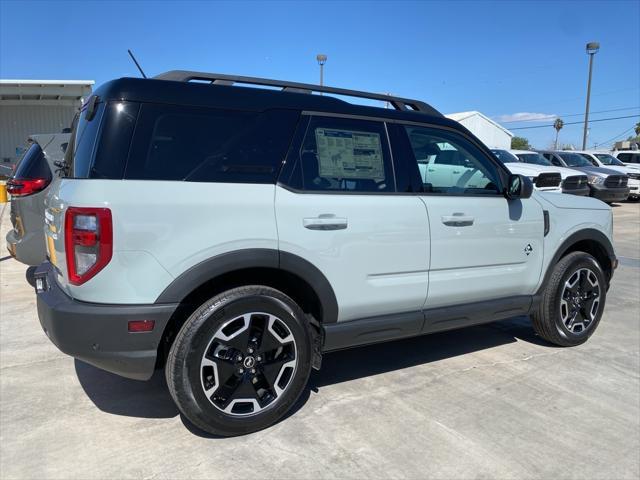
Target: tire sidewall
pixel 582 261
pixel 205 322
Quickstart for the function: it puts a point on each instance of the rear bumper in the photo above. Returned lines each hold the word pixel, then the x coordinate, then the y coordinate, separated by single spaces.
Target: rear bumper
pixel 609 194
pixel 98 333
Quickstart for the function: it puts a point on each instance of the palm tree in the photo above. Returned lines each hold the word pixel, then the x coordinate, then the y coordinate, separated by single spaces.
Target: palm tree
pixel 558 124
pixel 637 129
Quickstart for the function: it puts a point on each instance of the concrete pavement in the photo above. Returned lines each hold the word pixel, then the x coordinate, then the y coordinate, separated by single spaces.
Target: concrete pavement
pixel 485 402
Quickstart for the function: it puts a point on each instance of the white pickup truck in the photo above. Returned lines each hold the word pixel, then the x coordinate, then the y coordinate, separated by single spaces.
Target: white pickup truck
pixel 541 172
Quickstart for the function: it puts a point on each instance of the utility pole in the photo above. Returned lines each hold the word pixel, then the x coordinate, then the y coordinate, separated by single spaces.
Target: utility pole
pixel 322 59
pixel 592 49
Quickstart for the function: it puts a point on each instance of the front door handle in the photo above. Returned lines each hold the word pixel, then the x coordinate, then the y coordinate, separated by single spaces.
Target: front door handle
pixel 457 220
pixel 326 221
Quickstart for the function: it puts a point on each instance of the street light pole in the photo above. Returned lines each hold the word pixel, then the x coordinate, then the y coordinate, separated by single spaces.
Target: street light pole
pixel 322 59
pixel 592 49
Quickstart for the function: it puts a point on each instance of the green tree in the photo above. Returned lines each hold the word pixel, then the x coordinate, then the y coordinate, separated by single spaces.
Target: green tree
pixel 520 143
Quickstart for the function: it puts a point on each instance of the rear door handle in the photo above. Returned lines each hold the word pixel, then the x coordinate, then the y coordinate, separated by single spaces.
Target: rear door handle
pixel 457 220
pixel 326 221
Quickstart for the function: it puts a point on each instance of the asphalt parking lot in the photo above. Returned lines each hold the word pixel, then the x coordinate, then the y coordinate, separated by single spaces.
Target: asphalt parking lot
pixel 485 402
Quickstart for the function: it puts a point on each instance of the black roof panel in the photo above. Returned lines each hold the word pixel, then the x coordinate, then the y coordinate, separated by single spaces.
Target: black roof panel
pixel 247 98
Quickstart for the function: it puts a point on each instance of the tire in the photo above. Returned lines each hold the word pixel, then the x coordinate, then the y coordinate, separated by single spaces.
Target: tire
pixel 572 277
pixel 258 359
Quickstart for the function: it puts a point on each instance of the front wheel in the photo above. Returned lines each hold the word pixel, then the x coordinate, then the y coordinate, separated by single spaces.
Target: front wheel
pixel 240 361
pixel 572 302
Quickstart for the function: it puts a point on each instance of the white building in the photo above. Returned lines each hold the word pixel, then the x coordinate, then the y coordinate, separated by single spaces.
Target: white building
pixel 492 134
pixel 36 106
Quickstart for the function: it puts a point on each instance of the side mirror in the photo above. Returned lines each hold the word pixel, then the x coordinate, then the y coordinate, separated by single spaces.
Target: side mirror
pixel 519 187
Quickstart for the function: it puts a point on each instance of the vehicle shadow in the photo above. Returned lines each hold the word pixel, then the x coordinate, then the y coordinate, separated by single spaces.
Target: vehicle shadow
pixel 121 396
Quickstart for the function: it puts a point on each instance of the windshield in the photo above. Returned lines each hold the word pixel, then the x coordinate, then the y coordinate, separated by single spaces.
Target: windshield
pixel 505 157
pixel 574 160
pixel 534 158
pixel 609 159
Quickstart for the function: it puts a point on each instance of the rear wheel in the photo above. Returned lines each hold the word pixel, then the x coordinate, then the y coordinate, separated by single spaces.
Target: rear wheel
pixel 240 361
pixel 572 302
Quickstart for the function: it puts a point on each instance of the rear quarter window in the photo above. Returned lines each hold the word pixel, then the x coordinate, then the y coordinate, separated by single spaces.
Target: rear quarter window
pixel 80 157
pixel 209 145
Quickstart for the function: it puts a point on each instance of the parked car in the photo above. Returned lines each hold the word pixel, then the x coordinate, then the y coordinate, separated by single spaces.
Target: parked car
pixel 543 180
pixel 606 185
pixel 604 160
pixel 28 186
pixel 296 224
pixel 532 164
pixel 629 158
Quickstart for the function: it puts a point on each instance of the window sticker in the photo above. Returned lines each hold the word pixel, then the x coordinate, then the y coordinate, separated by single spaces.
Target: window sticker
pixel 349 154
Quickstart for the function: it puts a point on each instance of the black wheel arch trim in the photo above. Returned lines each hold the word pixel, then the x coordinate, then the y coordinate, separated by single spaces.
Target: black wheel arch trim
pixel 590 234
pixel 236 260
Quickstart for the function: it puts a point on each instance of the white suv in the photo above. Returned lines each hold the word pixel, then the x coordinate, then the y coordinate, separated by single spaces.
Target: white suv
pixel 232 235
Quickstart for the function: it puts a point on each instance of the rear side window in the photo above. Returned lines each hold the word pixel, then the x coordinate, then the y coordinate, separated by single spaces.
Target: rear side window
pixel 209 145
pixel 33 165
pixel 347 155
pixel 80 157
pixel 629 157
pixel 115 139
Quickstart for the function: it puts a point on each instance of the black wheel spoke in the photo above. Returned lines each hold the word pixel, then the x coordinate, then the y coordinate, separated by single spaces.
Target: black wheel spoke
pixel 226 370
pixel 239 342
pixel 271 370
pixel 268 342
pixel 584 281
pixel 588 305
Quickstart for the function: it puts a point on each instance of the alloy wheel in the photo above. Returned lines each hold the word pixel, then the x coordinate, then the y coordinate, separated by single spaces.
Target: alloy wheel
pixel 248 364
pixel 580 301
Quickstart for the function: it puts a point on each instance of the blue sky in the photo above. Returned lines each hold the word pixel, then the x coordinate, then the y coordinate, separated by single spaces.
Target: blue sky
pixel 501 58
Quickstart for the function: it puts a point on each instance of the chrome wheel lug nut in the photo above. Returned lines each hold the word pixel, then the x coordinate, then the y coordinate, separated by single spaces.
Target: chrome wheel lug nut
pixel 254 380
pixel 259 358
pixel 239 358
pixel 241 370
pixel 250 350
pixel 253 370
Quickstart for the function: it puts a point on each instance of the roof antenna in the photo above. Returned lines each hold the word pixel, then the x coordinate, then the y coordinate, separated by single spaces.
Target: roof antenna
pixel 136 62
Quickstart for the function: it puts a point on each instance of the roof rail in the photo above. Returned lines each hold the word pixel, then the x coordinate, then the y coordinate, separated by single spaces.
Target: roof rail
pixel 403 104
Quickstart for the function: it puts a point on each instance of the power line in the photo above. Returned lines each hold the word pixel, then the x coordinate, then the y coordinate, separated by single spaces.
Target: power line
pixel 616 136
pixel 570 115
pixel 577 123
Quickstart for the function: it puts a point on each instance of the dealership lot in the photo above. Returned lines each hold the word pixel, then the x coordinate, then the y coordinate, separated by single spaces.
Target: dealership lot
pixel 489 401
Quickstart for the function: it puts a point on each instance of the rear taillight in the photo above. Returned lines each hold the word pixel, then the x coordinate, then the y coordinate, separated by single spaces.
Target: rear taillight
pixel 26 186
pixel 88 242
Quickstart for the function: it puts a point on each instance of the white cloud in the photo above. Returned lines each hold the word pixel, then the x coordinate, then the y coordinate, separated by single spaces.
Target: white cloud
pixel 526 117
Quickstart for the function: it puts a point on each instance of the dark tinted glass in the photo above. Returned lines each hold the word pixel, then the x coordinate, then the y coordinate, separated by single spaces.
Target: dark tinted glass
pixel 629 157
pixel 85 136
pixel 346 155
pixel 32 165
pixel 209 145
pixel 115 138
pixel 574 160
pixel 534 158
